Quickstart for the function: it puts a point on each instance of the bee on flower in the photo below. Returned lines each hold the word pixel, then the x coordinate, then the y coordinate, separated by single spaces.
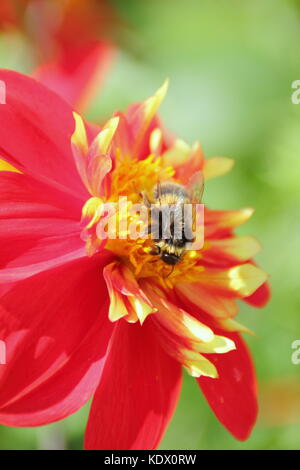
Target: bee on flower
pixel 86 316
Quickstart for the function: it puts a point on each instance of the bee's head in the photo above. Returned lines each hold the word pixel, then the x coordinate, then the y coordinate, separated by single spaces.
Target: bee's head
pixel 165 256
pixel 169 258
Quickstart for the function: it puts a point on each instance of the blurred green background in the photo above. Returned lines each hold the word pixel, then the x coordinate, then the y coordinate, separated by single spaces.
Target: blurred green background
pixel 231 64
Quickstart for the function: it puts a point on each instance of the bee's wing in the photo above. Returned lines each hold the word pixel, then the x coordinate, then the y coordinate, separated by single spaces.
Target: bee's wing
pixel 158 191
pixel 196 187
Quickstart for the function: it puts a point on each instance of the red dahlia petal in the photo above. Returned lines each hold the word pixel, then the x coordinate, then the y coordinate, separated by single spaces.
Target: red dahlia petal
pixel 37 132
pixel 142 120
pixel 78 72
pixel 260 297
pixel 22 196
pixel 233 396
pixel 38 224
pixel 56 329
pixel 137 393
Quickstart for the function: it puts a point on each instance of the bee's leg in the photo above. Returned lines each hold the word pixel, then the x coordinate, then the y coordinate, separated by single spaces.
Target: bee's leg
pixel 145 199
pixel 155 250
pixel 171 272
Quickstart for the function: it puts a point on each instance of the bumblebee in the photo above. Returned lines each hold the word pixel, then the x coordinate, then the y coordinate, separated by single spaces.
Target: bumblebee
pixel 170 225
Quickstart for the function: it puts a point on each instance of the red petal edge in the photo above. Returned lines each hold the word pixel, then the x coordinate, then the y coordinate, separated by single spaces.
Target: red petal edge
pixel 137 394
pixel 233 396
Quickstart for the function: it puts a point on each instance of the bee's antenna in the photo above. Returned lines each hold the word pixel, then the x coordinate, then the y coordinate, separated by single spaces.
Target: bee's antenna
pixel 159 191
pixel 171 272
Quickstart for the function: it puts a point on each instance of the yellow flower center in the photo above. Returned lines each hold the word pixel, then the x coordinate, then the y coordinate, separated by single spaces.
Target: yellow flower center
pixel 129 178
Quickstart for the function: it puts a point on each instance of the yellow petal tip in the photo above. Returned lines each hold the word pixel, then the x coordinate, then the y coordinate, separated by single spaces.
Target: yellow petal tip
pixel 79 137
pixel 105 136
pixel 246 279
pixel 153 102
pixel 162 91
pixel 5 166
pixel 249 211
pixel 217 166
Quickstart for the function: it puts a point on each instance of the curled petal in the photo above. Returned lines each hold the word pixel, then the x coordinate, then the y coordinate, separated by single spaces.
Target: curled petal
pixel 123 139
pixel 99 162
pixel 103 140
pixel 93 162
pixel 79 136
pixel 197 365
pixel 260 297
pixel 127 299
pixel 156 141
pixel 186 160
pixel 184 337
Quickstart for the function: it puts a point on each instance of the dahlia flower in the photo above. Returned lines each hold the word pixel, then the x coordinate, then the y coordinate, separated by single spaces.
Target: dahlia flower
pixel 83 316
pixel 70 42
